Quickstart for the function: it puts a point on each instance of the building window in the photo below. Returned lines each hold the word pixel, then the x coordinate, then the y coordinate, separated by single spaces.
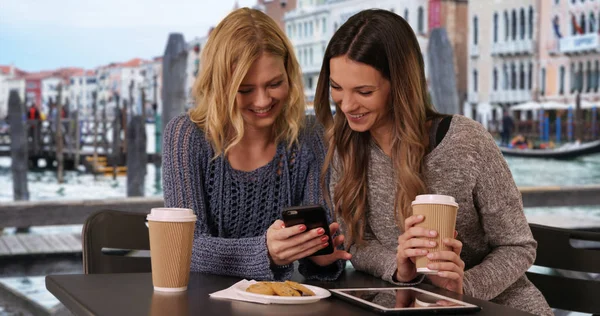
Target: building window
pixel 310 27
pixel 505 77
pixel 289 30
pixel 597 76
pixel 513 25
pixel 324 26
pixel 582 23
pixel 506 26
pixel 475 30
pixel 495 79
pixel 495 27
pixel 589 79
pixel 311 55
pixel 513 77
pixel 561 84
pixel 580 77
pixel 309 82
pixel 530 22
pixel 522 24
pixel 543 82
pixel 421 22
pixel 521 77
pixel 573 77
pixel 592 23
pixel 306 34
pixel 406 15
pixel 475 80
pixel 530 77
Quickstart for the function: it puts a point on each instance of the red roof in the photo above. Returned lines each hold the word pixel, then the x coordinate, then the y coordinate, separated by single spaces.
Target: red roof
pixel 5 69
pixel 38 75
pixel 136 62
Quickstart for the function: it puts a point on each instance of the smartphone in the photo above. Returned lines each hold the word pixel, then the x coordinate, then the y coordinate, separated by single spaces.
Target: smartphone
pixel 313 216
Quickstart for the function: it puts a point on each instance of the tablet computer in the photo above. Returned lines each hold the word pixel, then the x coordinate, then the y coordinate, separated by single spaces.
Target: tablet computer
pixel 403 300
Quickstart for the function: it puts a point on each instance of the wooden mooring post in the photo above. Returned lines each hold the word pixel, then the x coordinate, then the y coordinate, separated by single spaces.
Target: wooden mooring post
pixel 59 137
pixel 174 75
pixel 18 147
pixel 116 136
pixel 136 156
pixel 95 118
pixel 76 141
pixel 444 92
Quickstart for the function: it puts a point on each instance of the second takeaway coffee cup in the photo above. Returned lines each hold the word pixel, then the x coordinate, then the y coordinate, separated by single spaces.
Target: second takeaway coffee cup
pixel 171 238
pixel 439 213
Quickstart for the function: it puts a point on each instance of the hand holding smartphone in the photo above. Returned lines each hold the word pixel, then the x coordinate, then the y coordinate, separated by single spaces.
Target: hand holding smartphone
pixel 312 216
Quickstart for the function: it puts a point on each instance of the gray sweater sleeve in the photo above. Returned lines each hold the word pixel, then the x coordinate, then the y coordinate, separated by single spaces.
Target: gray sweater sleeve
pixel 183 146
pixel 498 200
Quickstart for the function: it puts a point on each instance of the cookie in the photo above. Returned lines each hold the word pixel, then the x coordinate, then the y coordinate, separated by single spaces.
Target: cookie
pixel 261 288
pixel 283 289
pixel 301 288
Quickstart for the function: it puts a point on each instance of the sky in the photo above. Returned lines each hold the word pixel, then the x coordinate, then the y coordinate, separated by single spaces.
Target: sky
pixel 44 35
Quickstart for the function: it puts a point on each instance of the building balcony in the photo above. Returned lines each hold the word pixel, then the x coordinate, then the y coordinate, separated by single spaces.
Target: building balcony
pixel 580 44
pixel 473 51
pixel 510 96
pixel 473 97
pixel 517 47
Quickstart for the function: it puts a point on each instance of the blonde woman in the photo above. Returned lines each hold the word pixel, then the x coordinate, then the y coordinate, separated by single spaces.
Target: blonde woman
pixel 243 154
pixel 387 145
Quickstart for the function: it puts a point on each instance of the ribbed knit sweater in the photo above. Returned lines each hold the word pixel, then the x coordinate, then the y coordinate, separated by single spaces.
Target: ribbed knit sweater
pixel 498 246
pixel 235 208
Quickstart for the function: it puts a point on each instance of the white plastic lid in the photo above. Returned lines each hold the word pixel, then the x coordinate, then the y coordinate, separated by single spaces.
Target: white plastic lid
pixel 434 199
pixel 166 214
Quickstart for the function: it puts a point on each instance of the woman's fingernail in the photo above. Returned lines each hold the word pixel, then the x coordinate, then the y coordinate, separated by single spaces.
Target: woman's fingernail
pixel 320 231
pixel 302 228
pixel 432 243
pixel 432 232
pixel 423 251
pixel 420 216
pixel 324 238
pixel 324 244
pixel 440 273
pixel 430 256
pixel 432 266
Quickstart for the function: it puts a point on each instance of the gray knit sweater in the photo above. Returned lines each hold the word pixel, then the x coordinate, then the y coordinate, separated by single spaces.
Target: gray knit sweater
pixel 236 208
pixel 498 246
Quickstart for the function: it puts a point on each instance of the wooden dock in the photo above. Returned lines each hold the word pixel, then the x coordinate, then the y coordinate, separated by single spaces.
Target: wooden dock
pixel 34 245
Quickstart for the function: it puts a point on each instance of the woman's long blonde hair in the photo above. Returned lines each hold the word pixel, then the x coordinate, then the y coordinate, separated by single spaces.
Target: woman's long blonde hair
pixel 386 42
pixel 230 51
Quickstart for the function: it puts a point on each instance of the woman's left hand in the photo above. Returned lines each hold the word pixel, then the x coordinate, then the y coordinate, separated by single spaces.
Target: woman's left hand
pixel 451 271
pixel 337 254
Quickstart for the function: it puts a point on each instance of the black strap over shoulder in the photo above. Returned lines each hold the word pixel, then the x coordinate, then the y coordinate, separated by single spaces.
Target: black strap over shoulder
pixel 439 128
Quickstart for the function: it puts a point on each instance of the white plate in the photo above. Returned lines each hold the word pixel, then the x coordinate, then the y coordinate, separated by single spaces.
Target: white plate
pixel 320 293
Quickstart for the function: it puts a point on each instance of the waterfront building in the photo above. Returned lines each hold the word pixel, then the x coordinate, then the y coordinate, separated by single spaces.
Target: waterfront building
pixel 312 24
pixel 526 50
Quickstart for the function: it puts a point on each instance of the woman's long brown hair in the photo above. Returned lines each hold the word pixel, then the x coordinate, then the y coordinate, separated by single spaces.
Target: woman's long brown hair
pixel 386 42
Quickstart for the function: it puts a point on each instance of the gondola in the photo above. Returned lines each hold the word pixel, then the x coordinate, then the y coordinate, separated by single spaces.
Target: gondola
pixel 563 152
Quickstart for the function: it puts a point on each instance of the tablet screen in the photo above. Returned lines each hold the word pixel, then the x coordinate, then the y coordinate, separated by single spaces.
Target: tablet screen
pixel 402 298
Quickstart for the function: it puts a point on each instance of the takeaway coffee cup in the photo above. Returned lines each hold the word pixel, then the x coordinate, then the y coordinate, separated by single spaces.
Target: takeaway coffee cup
pixel 171 238
pixel 439 213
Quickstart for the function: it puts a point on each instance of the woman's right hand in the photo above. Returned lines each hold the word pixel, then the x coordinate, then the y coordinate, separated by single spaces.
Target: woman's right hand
pixel 288 244
pixel 410 246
